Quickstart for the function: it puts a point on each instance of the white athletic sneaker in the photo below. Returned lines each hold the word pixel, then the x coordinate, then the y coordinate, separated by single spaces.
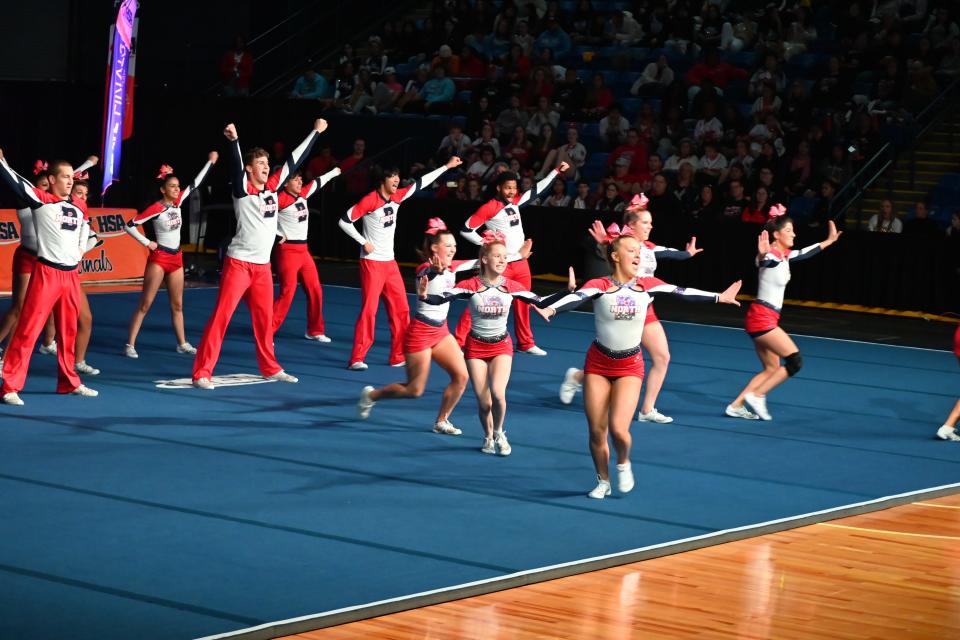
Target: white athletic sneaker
pixel 283 376
pixel 12 398
pixel 759 405
pixel 569 386
pixel 130 352
pixel 204 383
pixel 488 446
pixel 601 491
pixel 946 432
pixel 741 412
pixel 500 439
pixel 187 348
pixel 85 391
pixel 317 338
pixel 402 363
pixel 624 478
pixel 654 416
pixel 358 366
pixel 365 404
pixel 534 351
pixel 49 349
pixel 81 366
pixel 446 428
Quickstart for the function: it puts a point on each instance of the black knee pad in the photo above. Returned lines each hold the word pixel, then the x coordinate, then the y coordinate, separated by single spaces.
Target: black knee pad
pixel 793 363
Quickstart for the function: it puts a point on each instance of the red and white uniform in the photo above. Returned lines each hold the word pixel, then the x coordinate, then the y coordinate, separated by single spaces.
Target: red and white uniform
pixel 246 268
pixel 764 313
pixel 502 215
pixel 63 234
pixel 429 324
pixel 649 252
pixel 294 261
pixel 489 309
pixel 167 220
pixel 619 316
pixel 379 273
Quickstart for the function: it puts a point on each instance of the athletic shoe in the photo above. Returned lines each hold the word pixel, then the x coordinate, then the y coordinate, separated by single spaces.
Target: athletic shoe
pixel 446 428
pixel 488 446
pixel 358 366
pixel 534 351
pixel 365 404
pixel 12 398
pixel 741 412
pixel 283 376
pixel 500 439
pixel 946 432
pixel 187 348
pixel 569 386
pixel 601 491
pixel 624 478
pixel 204 383
pixel 81 366
pixel 85 391
pixel 49 349
pixel 654 416
pixel 402 363
pixel 130 352
pixel 317 338
pixel 759 405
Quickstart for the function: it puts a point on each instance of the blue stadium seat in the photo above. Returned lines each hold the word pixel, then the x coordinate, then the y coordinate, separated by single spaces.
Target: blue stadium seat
pixel 744 59
pixel 595 167
pixel 464 96
pixel 801 208
pixel 630 107
pixel 590 135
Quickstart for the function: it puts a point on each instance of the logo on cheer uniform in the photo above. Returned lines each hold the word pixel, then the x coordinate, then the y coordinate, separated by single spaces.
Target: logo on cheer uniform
pixel 68 218
pixel 302 212
pixel 625 308
pixel 268 206
pixel 491 307
pixel 231 380
pixel 648 262
pixel 389 216
pixel 513 215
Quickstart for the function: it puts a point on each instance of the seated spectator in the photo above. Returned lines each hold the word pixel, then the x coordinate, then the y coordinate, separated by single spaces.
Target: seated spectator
pixel 708 128
pixel 356 172
pixel 411 100
pixel 438 92
pixel 558 195
pixel 610 200
pixel 311 86
pixel 516 66
pixel 766 130
pixel 475 190
pixel 539 86
pixel 800 33
pixel 920 225
pixel 742 158
pixel 886 221
pixel 713 68
pixel 569 94
pixel 821 209
pixel 458 192
pixel 626 182
pixel 573 153
pixel 622 29
pixel 584 199
pixel 236 69
pixel 545 142
pixel 941 27
pixel 648 126
pixel 554 38
pixel 683 155
pixel 497 44
pixel 769 73
pixel 949 67
pixel 634 150
pixel 376 61
pixel 362 96
pixel 320 163
pixel 522 37
pixel 387 91
pixel 707 208
pixel 663 204
pixel 455 143
pixel 796 112
pixel 759 210
pixel 921 88
pixel 837 167
pixel 686 189
pixel 445 58
pixel 472 64
pixel 656 77
pixel 510 118
pixel 346 82
pixel 519 147
pixel 767 178
pixel 768 103
pixel 597 99
pixel 767 159
pixel 482 169
pixel 480 113
pixel 613 128
pixel 493 87
pixel 486 139
pixel 736 201
pixel 645 177
pixel 713 165
pixel 798 178
pixel 544 114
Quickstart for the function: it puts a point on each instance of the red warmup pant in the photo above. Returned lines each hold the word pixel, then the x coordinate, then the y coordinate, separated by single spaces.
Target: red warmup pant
pixel 253 283
pixel 518 271
pixel 380 278
pixel 295 262
pixel 50 289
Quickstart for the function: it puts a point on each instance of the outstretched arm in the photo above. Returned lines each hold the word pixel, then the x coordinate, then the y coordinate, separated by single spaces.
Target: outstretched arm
pixel 808 252
pixel 26 193
pixel 427 179
pixel 212 158
pixel 297 156
pixel 654 286
pixel 239 176
pixel 541 187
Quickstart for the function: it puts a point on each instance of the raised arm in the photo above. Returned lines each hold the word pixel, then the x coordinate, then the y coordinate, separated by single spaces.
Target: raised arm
pixel 211 160
pixel 542 186
pixel 808 252
pixel 25 192
pixel 238 175
pixel 87 164
pixel 427 179
pixel 297 156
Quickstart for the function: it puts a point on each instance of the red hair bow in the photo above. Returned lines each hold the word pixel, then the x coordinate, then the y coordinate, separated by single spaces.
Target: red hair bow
pixel 165 170
pixel 777 210
pixel 639 201
pixel 491 237
pixel 81 175
pixel 39 167
pixel 435 226
pixel 614 231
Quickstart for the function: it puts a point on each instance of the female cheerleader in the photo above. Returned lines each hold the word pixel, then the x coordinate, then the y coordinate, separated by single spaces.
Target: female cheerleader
pixel 613 372
pixel 640 221
pixel 80 191
pixel 488 348
pixel 774 254
pixel 427 337
pixel 165 263
pixel 949 429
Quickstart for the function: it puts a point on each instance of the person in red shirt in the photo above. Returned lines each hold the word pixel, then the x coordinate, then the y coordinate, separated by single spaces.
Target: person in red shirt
pixel 236 69
pixel 321 164
pixel 357 180
pixel 758 211
pixel 635 150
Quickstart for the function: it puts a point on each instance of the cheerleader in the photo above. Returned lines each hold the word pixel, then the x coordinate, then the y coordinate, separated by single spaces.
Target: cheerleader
pixel 613 372
pixel 640 221
pixel 775 252
pixel 165 262
pixel 488 348
pixel 427 337
pixel 80 191
pixel 294 261
pixel 379 273
pixel 949 429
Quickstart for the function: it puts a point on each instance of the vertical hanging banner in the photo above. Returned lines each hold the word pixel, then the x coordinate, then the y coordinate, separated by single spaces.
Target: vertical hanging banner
pixel 116 91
